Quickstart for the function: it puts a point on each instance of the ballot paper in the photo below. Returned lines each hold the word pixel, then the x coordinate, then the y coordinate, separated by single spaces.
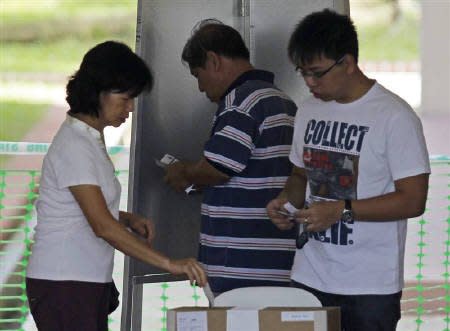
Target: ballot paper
pixel 209 294
pixel 169 159
pixel 188 321
pixel 166 160
pixel 290 208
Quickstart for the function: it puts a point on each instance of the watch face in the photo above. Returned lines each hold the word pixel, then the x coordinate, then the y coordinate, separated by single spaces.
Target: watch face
pixel 347 215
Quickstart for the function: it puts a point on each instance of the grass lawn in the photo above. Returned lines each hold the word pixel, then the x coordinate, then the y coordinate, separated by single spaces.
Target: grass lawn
pixel 390 42
pixel 52 36
pixel 383 38
pixel 60 56
pixel 17 117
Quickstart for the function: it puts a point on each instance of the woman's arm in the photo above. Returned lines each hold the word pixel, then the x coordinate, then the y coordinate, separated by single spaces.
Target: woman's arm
pixel 93 204
pixel 142 226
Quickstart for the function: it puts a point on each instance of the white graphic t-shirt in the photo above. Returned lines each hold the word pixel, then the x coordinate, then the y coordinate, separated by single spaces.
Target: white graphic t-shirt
pixel 356 151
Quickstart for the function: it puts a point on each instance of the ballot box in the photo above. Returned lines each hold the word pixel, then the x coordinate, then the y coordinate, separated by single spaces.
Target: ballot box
pixel 264 319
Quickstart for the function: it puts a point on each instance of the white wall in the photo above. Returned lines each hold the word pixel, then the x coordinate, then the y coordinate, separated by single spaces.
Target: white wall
pixel 435 49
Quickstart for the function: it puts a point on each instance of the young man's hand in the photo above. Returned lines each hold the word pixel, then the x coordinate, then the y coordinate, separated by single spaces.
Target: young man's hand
pixel 276 212
pixel 320 215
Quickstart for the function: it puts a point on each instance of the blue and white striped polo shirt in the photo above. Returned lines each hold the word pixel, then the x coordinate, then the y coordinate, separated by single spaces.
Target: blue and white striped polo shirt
pixel 250 141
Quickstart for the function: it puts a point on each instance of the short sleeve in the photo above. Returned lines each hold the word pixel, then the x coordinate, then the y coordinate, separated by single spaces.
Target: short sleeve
pixel 230 146
pixel 75 164
pixel 406 148
pixel 296 154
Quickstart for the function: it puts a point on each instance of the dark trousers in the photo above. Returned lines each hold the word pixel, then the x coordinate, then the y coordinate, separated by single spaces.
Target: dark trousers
pixel 362 312
pixel 69 305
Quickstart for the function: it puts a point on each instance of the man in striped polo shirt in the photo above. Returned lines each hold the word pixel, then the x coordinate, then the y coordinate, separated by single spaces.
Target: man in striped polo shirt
pixel 244 165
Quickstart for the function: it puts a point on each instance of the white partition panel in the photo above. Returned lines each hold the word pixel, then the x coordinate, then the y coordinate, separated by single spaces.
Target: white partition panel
pixel 175 117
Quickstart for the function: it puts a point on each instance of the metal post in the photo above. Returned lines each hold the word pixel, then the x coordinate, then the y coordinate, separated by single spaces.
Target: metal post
pixel 242 22
pixel 136 309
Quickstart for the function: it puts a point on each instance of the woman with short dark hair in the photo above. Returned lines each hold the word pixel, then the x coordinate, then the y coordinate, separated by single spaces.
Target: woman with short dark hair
pixel 69 276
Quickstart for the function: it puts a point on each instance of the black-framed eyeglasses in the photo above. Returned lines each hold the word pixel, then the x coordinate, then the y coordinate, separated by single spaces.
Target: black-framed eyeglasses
pixel 318 74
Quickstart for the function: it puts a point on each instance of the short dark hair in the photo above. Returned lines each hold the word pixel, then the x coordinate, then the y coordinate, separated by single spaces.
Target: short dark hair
pixel 324 33
pixel 213 35
pixel 108 67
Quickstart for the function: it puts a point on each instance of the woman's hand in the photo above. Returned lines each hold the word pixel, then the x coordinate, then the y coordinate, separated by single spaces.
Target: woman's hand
pixel 191 268
pixel 143 227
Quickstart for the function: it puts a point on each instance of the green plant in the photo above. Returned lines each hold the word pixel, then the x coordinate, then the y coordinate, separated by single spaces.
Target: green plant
pixel 16 119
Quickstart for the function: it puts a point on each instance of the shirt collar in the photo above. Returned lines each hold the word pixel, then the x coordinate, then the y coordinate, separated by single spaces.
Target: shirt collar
pixel 254 74
pixel 82 126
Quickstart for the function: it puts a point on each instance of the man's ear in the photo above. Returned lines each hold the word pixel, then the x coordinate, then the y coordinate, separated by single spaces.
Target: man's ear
pixel 350 63
pixel 214 59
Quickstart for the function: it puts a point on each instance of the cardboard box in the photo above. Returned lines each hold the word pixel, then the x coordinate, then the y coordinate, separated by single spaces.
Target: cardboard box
pixel 265 319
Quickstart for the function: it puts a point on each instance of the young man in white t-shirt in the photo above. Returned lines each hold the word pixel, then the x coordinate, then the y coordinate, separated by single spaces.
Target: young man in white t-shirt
pixel 361 169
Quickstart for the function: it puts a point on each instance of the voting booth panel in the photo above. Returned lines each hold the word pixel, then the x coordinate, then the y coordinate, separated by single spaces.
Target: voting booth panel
pixel 175 118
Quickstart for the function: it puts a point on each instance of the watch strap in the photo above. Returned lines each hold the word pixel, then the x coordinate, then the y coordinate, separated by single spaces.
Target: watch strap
pixel 348 204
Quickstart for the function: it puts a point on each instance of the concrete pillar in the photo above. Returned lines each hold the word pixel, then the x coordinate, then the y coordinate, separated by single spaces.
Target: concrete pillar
pixel 435 51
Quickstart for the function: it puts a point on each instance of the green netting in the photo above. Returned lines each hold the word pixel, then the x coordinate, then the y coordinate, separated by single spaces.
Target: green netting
pixel 18 190
pixel 426 297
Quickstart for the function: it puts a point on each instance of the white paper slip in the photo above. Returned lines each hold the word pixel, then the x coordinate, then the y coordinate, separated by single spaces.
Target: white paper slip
pixel 209 294
pixel 169 159
pixel 166 160
pixel 188 321
pixel 239 319
pixel 190 189
pixel 295 316
pixel 290 208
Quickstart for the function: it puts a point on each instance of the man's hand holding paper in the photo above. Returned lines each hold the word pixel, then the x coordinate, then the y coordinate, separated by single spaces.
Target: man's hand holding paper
pixel 176 176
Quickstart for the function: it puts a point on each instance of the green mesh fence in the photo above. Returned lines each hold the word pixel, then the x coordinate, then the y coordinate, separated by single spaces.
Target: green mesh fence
pixel 426 297
pixel 18 190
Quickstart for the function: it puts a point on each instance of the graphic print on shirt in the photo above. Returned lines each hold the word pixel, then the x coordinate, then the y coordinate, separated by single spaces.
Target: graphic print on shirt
pixel 331 157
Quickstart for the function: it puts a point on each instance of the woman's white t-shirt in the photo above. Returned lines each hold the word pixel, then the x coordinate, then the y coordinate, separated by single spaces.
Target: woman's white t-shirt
pixel 66 247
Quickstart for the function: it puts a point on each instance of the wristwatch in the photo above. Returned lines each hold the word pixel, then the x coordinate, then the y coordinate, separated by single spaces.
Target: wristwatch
pixel 347 213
